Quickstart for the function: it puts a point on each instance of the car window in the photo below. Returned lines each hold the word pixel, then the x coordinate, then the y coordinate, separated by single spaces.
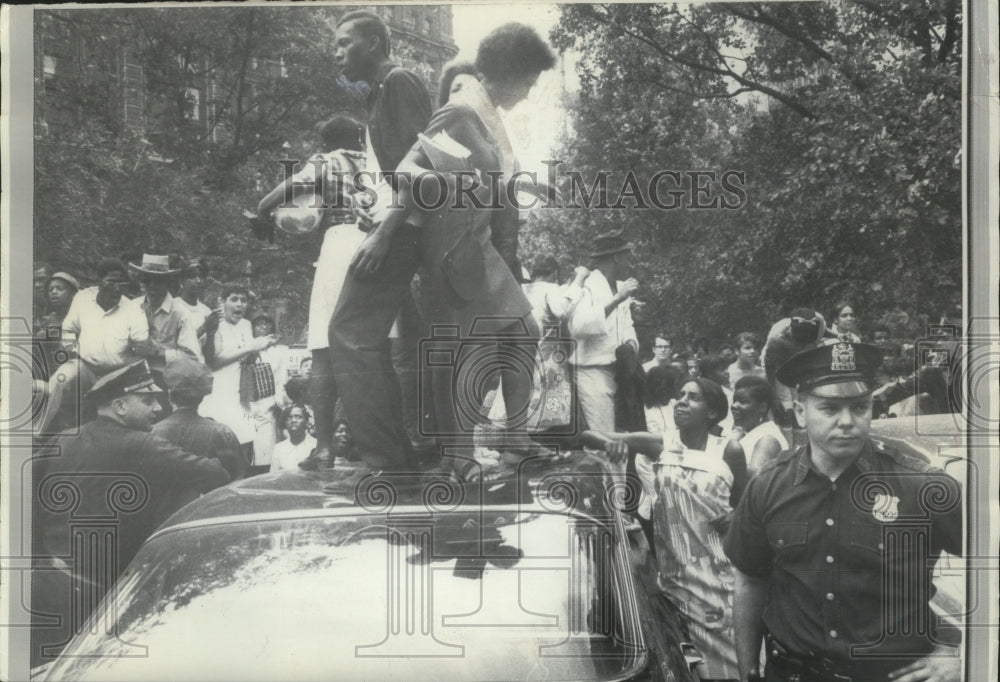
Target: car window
pixel 494 594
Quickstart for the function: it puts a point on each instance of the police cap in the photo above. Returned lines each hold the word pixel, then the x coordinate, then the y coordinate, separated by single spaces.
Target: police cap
pixel 837 370
pixel 134 378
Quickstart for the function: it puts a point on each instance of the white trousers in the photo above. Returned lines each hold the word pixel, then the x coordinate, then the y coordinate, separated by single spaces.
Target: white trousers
pixel 595 390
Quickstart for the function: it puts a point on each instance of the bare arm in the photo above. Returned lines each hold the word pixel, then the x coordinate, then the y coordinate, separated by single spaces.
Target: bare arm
pixel 638 442
pixel 229 356
pixel 748 607
pixel 274 198
pixel 766 449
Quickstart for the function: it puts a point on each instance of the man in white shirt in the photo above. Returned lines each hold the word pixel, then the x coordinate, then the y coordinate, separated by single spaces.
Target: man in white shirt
pixel 101 332
pixel 600 323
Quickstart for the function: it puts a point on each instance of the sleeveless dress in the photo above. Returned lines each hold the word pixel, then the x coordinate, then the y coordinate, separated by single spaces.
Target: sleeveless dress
pixel 692 488
pixel 749 441
pixel 223 403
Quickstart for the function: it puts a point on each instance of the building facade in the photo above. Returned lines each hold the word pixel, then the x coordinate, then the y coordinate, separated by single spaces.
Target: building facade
pixel 82 68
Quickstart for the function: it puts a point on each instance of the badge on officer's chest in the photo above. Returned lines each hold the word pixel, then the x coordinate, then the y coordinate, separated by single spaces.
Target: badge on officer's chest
pixel 886 507
pixel 842 358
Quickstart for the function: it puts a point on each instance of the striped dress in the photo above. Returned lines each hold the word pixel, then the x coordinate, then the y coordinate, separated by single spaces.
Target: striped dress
pixel 692 488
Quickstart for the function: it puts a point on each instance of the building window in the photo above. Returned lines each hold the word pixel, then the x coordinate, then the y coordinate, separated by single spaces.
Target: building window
pixel 193 110
pixel 407 18
pixel 49 66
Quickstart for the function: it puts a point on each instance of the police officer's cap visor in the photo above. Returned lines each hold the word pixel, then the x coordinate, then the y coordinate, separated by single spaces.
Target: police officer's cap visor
pixel 839 389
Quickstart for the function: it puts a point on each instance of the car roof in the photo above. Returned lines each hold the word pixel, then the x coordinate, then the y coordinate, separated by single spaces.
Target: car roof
pixel 934 438
pixel 575 481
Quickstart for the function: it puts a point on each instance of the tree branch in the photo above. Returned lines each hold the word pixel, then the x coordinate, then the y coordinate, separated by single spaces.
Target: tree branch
pixel 763 18
pixel 727 72
pixel 951 30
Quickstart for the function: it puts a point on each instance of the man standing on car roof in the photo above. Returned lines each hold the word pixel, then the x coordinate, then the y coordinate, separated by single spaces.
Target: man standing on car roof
pixel 834 543
pixel 378 286
pixel 101 493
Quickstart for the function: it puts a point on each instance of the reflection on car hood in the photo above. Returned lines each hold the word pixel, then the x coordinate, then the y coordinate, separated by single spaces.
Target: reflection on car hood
pixel 471 594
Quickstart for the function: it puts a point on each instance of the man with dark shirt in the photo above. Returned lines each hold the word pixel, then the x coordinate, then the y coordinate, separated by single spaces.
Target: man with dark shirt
pixel 99 495
pixel 188 382
pixel 398 107
pixel 835 543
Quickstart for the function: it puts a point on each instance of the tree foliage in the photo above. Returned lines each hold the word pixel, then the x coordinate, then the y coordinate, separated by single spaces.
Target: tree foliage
pixel 845 119
pixel 226 94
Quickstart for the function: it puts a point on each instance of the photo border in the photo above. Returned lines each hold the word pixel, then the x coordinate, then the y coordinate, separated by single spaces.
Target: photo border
pixel 981 213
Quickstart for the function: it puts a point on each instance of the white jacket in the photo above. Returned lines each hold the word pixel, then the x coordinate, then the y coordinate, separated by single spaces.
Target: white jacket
pixel 596 335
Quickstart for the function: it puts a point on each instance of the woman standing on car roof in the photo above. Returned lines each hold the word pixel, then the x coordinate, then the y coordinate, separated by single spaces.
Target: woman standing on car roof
pixel 691 482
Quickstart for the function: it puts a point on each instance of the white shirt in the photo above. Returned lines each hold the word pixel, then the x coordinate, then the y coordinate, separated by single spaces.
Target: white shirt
pixel 287 455
pixel 749 441
pixel 197 312
pixel 597 336
pixel 105 337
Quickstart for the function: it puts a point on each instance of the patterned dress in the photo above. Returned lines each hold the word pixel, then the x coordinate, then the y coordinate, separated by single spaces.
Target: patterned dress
pixel 692 488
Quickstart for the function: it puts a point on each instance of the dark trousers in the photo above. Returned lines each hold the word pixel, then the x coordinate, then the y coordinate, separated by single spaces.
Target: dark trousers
pixel 406 362
pixel 360 353
pixel 323 397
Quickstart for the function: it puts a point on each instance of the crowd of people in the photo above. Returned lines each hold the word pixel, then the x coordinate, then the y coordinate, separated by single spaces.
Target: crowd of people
pixel 190 394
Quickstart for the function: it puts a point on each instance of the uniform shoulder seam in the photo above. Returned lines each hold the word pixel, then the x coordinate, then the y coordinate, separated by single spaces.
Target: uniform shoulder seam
pixel 783 457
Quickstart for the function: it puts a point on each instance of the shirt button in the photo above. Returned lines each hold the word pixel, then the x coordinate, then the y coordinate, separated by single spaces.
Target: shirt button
pixel 829 522
pixel 833 486
pixel 833 634
pixel 829 596
pixel 881 546
pixel 781 543
pixel 829 559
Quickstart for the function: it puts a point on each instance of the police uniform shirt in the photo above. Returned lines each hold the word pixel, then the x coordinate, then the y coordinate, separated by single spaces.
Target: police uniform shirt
pixel 848 561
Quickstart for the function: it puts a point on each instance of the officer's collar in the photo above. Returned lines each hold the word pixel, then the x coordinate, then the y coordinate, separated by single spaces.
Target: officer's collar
pixel 865 462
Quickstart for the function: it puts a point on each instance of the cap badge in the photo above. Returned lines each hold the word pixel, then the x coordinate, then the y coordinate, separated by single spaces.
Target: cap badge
pixel 886 507
pixel 842 358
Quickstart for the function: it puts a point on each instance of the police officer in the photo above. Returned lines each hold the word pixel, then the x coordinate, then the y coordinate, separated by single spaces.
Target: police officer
pixel 834 543
pixel 99 494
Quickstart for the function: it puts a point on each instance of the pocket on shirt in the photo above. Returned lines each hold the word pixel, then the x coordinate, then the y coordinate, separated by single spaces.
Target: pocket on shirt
pixel 866 535
pixel 782 536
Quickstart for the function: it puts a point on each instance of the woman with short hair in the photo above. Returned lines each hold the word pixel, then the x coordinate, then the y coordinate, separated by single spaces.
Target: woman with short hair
pixel 226 352
pixel 754 427
pixel 694 481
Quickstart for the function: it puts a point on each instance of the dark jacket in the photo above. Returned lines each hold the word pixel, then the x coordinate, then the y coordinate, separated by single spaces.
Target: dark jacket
pixel 204 437
pixel 112 478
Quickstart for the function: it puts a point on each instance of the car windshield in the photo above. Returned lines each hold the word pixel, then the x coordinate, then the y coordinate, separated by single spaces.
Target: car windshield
pixel 492 594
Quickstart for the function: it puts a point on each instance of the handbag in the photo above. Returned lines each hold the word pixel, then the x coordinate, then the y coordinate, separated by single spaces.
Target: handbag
pixel 256 379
